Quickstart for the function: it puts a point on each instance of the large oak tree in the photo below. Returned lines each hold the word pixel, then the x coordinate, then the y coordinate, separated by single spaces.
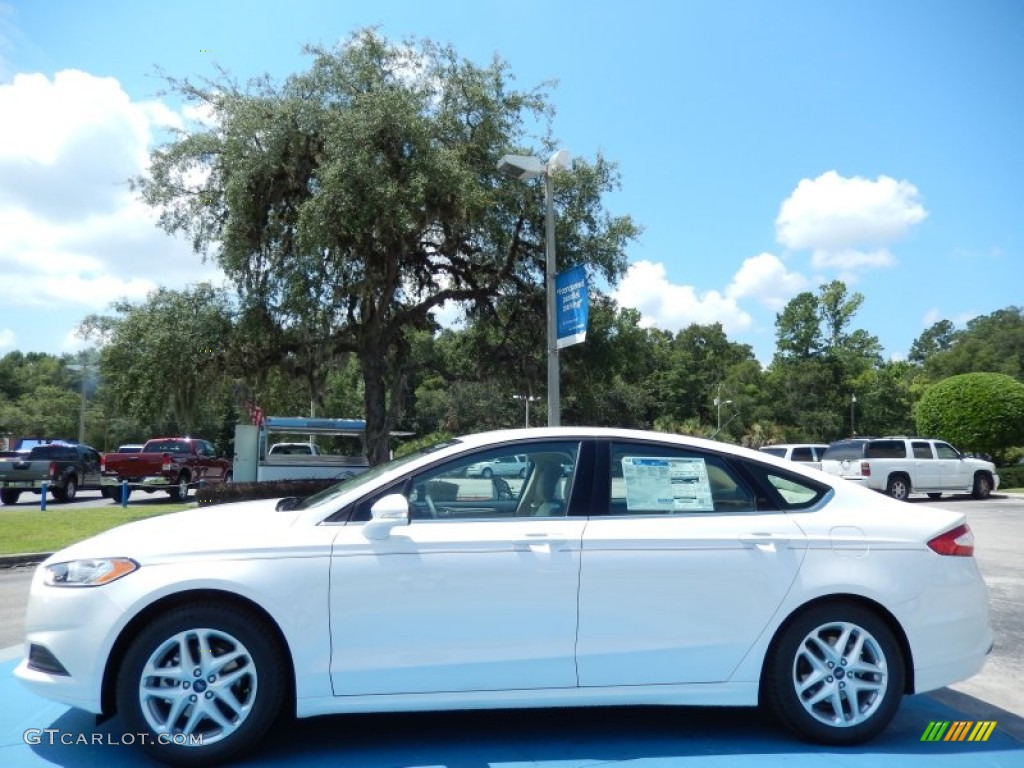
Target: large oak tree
pixel 353 200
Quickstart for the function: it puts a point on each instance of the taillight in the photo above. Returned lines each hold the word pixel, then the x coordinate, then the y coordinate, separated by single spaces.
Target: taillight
pixel 103 463
pixel 167 462
pixel 865 469
pixel 958 542
pixel 53 469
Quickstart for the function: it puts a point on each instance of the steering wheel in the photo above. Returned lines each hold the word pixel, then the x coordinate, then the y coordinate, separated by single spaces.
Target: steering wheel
pixel 502 489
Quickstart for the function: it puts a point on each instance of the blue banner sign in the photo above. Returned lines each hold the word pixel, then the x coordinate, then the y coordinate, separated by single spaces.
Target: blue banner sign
pixel 572 303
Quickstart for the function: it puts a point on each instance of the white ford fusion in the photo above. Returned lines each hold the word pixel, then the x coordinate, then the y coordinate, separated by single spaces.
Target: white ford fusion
pixel 624 568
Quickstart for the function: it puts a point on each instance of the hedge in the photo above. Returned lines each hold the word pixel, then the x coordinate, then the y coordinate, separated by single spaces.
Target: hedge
pixel 1011 477
pixel 225 493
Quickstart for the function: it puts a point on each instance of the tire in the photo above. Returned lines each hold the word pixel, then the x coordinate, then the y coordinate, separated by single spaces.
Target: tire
pixel 486 474
pixel 982 486
pixel 244 707
pixel 898 487
pixel 67 491
pixel 934 495
pixel 180 490
pixel 7 496
pixel 807 648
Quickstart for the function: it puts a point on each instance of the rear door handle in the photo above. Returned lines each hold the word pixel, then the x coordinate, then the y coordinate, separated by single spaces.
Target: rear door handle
pixel 764 540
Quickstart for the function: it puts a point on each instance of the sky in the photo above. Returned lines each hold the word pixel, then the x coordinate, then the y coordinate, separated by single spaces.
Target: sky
pixel 765 148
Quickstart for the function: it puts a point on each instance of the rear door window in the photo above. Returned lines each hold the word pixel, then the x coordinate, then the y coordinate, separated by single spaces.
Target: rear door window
pixel 803 453
pixel 887 449
pixel 922 450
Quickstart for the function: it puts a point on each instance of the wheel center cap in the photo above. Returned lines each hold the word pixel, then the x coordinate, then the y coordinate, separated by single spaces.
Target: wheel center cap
pixel 840 673
pixel 199 686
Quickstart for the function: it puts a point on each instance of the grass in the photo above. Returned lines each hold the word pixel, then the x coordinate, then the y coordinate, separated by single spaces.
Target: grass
pixel 31 530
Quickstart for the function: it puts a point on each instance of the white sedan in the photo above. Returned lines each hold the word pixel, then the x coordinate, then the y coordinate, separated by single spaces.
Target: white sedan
pixel 660 570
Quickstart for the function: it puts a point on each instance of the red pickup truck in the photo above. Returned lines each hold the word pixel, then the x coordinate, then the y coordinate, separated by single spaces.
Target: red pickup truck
pixel 172 464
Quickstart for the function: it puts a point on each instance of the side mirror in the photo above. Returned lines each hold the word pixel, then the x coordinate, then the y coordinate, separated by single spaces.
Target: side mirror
pixel 287 503
pixel 388 512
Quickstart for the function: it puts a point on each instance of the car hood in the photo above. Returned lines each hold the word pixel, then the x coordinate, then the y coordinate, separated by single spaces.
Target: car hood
pixel 221 530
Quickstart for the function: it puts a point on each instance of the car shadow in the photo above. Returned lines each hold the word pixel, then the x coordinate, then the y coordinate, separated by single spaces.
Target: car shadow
pixel 639 736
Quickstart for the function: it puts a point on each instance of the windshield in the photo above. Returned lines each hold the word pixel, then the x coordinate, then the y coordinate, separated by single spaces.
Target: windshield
pixel 368 476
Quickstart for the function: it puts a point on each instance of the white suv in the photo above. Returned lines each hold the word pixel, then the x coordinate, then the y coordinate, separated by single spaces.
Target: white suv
pixel 806 453
pixel 899 466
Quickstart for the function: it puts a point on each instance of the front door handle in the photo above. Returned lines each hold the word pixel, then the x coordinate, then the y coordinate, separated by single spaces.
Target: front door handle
pixel 764 541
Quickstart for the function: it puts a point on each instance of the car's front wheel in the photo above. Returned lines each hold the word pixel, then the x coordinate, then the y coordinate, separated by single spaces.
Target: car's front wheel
pixel 982 486
pixel 203 682
pixel 835 674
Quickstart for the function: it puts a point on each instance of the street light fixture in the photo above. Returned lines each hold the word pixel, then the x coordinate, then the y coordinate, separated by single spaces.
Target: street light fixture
pixel 719 402
pixel 529 399
pixel 524 168
pixel 853 405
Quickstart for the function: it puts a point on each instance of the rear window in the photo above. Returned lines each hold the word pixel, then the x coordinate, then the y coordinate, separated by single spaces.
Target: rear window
pixel 168 446
pixel 53 453
pixel 887 449
pixel 780 452
pixel 803 453
pixel 846 451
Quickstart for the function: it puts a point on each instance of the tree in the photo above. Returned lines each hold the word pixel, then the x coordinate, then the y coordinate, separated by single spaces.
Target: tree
pixel 993 342
pixel 981 412
pixel 362 194
pixel 166 355
pixel 937 338
pixel 818 362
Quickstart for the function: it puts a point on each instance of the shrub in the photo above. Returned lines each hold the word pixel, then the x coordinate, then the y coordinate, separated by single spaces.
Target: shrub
pixel 979 412
pixel 226 493
pixel 1011 477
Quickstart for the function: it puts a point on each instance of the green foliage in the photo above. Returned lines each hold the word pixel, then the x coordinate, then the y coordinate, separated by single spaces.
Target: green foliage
pixel 167 355
pixel 990 343
pixel 411 446
pixel 1011 477
pixel 981 412
pixel 227 493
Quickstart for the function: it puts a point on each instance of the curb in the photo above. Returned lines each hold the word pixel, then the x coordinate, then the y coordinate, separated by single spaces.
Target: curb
pixel 27 558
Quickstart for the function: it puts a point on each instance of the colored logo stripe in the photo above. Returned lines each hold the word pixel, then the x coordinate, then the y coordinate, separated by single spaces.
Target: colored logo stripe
pixel 958 730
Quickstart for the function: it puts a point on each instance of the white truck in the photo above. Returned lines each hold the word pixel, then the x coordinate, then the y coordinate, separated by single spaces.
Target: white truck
pixel 259 457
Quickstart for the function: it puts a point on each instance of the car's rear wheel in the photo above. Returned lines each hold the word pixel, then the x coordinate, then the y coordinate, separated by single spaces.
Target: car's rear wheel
pixel 8 496
pixel 835 674
pixel 486 474
pixel 203 682
pixel 179 492
pixel 898 487
pixel 66 492
pixel 982 486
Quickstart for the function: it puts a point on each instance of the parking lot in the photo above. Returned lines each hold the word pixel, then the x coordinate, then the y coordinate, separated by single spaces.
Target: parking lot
pixel 578 738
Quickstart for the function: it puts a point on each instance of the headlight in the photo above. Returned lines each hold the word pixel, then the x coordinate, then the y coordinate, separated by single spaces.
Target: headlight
pixel 89 573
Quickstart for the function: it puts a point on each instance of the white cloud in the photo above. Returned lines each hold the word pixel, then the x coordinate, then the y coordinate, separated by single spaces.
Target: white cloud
pixel 74 235
pixel 849 259
pixel 7 338
pixel 832 212
pixel 765 278
pixel 673 307
pixel 933 315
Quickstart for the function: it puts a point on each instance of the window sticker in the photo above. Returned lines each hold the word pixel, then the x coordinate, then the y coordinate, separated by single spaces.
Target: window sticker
pixel 658 484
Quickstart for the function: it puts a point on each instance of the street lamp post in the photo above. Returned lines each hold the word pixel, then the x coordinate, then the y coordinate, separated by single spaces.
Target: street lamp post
pixel 528 399
pixel 853 405
pixel 525 167
pixel 719 402
pixel 81 408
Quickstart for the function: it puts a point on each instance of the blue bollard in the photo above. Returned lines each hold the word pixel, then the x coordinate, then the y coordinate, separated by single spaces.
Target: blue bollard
pixel 124 494
pixel 42 496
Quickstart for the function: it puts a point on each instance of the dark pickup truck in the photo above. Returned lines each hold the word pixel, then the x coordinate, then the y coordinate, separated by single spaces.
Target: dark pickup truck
pixel 65 468
pixel 172 464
